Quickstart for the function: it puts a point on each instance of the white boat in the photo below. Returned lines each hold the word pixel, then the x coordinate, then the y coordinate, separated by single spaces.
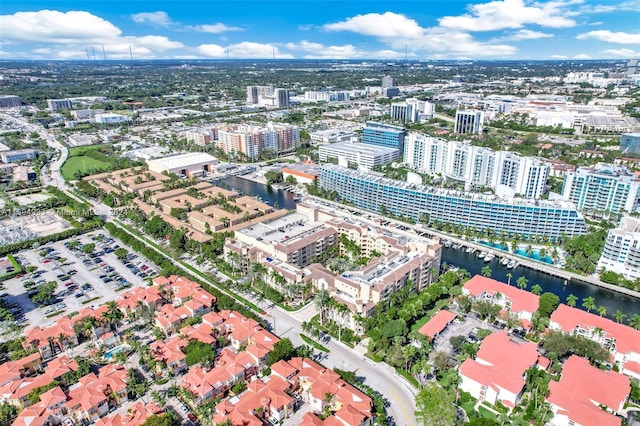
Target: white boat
pixel 505 261
pixel 512 264
pixel 469 250
pixel 482 254
pixel 489 257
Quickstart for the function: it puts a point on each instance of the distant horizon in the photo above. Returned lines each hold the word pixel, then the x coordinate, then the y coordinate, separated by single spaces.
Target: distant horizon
pixel 341 60
pixel 321 30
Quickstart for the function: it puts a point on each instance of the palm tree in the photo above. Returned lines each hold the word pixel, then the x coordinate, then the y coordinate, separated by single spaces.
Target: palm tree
pixel 256 270
pixel 602 311
pixel 572 300
pixel 522 282
pixel 322 301
pixel 486 271
pixel 509 276
pixel 619 316
pixel 536 289
pixel 114 315
pixel 634 321
pixel 589 303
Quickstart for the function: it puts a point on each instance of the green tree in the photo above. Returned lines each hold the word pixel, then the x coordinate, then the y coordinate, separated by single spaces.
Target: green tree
pixel 45 292
pixel 114 315
pixel 7 413
pixel 88 248
pixel 199 353
pixel 602 311
pixel 572 300
pixel 121 252
pixel 283 349
pixel 321 301
pixel 536 289
pixel 434 406
pixel 634 321
pixel 589 303
pixel 619 316
pixel 166 419
pixel 522 282
pixel 486 271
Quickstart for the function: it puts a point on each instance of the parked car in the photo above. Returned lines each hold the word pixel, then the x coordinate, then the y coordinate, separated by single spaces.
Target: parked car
pixel 192 417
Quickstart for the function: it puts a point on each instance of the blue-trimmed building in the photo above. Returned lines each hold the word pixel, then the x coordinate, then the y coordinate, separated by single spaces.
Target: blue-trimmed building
pixel 528 218
pixel 384 135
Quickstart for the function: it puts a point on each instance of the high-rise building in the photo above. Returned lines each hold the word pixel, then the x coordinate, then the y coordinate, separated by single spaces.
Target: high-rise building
pixel 56 104
pixel 250 141
pixel 621 252
pixel 412 110
pixel 469 121
pixel 527 218
pixel 9 101
pixel 282 98
pixel 506 172
pixel 630 143
pixel 261 95
pixel 388 81
pixel 384 135
pixel 603 188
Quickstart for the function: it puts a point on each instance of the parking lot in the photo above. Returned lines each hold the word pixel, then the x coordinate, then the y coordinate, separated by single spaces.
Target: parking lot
pixel 459 328
pixel 83 279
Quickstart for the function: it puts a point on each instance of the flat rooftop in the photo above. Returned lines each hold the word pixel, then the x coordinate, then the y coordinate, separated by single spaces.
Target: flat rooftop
pixel 185 160
pixel 359 148
pixel 280 230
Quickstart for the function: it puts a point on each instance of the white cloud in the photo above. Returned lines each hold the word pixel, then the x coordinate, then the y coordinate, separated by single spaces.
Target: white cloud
pixel 558 57
pixel 158 18
pixel 318 50
pixel 212 50
pixel 582 56
pixel 52 26
pixel 503 14
pixel 611 37
pixel 632 6
pixel 526 35
pixel 388 24
pixel 49 34
pixel 621 53
pixel 243 50
pixel 216 28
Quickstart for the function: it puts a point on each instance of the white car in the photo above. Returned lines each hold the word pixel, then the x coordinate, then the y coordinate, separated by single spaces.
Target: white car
pixel 183 408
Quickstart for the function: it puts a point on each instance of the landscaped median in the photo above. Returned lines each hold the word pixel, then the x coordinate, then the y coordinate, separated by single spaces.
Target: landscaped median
pixel 309 341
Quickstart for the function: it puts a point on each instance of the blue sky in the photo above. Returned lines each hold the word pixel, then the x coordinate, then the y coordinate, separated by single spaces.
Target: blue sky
pixel 334 29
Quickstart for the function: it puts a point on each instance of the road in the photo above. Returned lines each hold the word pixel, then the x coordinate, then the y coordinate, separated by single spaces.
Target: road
pixel 379 376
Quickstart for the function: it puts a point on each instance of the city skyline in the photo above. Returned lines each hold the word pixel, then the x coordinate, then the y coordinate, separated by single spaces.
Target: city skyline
pixel 508 29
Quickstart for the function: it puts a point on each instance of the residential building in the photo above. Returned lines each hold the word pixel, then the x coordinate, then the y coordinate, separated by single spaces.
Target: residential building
pixel 469 122
pixel 56 104
pixel 621 252
pixel 250 140
pixel 477 167
pixel 18 156
pixel 363 155
pixel 513 300
pixel 136 415
pixel 267 96
pixel 390 92
pixel 621 340
pixel 388 81
pixel 111 118
pixel 189 164
pixel 602 189
pixel 412 111
pixel 327 96
pixel 527 218
pixel 9 101
pixel 630 143
pixel 80 139
pixel 437 324
pixel 498 372
pixel 586 395
pixel 384 135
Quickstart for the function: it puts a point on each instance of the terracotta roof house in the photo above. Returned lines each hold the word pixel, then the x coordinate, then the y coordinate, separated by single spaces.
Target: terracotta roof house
pixel 622 341
pixel 437 324
pixel 583 392
pixel 498 372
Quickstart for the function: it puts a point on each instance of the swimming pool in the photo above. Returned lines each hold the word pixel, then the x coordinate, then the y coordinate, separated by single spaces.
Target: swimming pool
pixel 114 351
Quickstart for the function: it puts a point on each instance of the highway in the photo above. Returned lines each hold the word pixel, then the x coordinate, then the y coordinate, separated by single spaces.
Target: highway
pixel 379 376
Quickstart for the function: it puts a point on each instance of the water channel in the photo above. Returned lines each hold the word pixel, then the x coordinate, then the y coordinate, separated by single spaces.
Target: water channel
pixel 611 300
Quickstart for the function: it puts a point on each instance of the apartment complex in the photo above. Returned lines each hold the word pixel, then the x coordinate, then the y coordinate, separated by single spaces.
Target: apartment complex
pixel 267 96
pixel 506 172
pixel 469 122
pixel 603 188
pixel 327 96
pixel 364 155
pixel 56 104
pixel 9 101
pixel 412 111
pixel 527 218
pixel 251 140
pixel 621 252
pixel 384 135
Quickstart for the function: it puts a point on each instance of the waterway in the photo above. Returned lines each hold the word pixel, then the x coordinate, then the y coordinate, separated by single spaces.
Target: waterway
pixel 283 199
pixel 611 300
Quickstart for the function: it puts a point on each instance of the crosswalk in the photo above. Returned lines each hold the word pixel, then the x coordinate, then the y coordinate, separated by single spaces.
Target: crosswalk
pixel 404 408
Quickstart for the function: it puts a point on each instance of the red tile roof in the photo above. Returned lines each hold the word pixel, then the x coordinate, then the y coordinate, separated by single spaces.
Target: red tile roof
pixel 501 362
pixel 627 338
pixel 582 388
pixel 436 324
pixel 521 300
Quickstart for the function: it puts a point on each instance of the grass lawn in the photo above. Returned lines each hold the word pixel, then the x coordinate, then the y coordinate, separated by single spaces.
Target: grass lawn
pixel 73 164
pixel 80 150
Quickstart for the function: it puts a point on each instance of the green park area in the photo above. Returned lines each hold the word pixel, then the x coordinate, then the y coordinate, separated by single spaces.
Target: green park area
pixel 81 164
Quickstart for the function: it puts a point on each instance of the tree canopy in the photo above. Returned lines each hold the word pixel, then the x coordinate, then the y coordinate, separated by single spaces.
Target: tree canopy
pixel 434 406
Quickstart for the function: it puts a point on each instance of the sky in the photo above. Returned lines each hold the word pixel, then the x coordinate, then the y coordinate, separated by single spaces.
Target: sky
pixel 330 29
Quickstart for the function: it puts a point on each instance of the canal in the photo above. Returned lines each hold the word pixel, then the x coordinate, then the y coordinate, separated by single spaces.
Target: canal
pixel 611 300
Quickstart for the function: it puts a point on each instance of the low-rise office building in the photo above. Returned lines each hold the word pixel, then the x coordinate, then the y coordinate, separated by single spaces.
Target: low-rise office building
pixel 17 156
pixel 364 155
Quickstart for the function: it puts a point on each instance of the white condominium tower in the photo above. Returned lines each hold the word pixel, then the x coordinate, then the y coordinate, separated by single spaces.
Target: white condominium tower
pixel 477 166
pixel 469 121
